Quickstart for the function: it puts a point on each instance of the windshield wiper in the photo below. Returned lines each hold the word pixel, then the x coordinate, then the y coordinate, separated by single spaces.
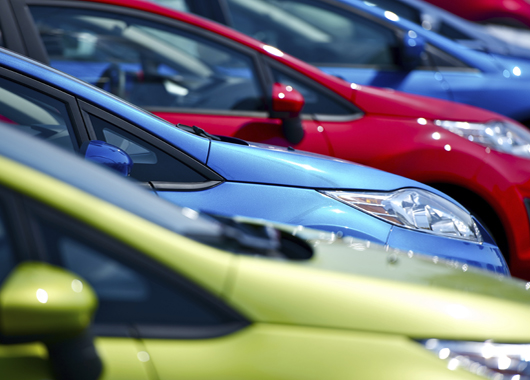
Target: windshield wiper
pixel 201 132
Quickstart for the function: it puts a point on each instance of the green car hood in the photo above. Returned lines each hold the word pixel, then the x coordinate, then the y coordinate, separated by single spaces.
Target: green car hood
pixel 355 285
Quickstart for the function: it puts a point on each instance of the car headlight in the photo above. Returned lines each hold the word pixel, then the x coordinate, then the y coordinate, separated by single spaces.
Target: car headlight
pixel 415 209
pixel 488 359
pixel 502 136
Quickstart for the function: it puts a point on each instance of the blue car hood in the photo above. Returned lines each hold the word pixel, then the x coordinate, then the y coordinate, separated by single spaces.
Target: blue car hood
pixel 273 165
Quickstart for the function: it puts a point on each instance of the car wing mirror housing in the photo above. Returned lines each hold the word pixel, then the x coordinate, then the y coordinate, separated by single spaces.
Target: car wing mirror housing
pixel 287 104
pixel 107 155
pixel 40 302
pixel 413 50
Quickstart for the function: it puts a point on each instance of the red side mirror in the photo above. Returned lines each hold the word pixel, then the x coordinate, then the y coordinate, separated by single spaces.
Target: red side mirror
pixel 286 99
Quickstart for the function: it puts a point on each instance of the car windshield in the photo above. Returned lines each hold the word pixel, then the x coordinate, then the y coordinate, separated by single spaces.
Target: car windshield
pixel 310 31
pixel 314 32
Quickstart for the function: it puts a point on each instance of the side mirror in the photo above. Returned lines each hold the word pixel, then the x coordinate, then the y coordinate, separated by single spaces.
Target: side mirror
pixel 39 302
pixel 107 155
pixel 287 103
pixel 413 48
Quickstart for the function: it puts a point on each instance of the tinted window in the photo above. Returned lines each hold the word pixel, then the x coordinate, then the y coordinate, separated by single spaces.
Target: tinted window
pixel 150 163
pixel 316 102
pixel 314 32
pixel 35 113
pixel 441 60
pixel 129 287
pixel 147 63
pixel 448 31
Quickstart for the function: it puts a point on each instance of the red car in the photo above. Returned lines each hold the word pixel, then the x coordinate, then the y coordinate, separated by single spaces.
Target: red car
pixel 192 71
pixel 514 13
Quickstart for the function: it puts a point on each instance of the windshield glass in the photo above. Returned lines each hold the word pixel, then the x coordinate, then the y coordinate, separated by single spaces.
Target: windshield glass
pixel 314 32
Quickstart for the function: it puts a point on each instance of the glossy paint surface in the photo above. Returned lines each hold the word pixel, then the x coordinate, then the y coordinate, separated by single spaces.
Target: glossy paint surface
pixel 283 177
pixel 389 136
pixel 333 314
pixel 40 299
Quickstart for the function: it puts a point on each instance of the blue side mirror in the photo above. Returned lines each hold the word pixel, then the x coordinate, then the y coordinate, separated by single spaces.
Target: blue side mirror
pixel 413 48
pixel 107 155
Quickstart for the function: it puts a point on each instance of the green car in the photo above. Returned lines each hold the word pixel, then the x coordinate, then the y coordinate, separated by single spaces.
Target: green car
pixel 178 296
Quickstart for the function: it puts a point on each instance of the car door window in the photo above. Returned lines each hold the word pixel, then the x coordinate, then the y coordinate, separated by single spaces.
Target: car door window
pixel 147 63
pixel 35 113
pixel 150 162
pixel 441 60
pixel 7 261
pixel 132 290
pixel 315 32
pixel 316 101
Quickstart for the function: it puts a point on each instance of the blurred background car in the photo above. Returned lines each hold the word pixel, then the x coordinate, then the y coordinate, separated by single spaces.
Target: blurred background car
pixel 232 177
pixel 73 234
pixel 188 70
pixel 447 24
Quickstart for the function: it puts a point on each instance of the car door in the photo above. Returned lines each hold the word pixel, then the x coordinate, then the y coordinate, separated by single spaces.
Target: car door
pixel 151 322
pixel 335 37
pixel 181 73
pixel 20 241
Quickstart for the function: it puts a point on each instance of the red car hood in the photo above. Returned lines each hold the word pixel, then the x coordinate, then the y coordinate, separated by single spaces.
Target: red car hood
pixel 388 102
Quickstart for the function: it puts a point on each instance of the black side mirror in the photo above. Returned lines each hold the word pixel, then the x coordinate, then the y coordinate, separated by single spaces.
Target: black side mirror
pixel 287 104
pixel 107 155
pixel 413 47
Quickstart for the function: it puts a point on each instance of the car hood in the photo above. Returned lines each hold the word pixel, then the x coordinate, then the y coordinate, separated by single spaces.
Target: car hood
pixel 356 285
pixel 388 102
pixel 273 165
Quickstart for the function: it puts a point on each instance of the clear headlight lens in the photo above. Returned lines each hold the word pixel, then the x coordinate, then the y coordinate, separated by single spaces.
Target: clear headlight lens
pixel 415 209
pixel 491 360
pixel 502 136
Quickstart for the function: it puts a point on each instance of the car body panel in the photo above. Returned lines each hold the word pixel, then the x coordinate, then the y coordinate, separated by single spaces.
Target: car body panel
pixel 317 309
pixel 293 171
pixel 289 349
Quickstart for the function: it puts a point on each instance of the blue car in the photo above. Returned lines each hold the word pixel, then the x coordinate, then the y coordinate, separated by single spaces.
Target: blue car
pixel 470 34
pixel 229 176
pixel 364 44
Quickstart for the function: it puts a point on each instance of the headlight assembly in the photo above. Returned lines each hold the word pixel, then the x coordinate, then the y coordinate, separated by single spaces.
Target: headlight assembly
pixel 502 136
pixel 491 360
pixel 414 209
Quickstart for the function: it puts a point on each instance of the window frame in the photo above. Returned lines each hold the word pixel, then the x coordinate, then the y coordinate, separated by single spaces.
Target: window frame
pixel 356 114
pixel 76 129
pixel 212 178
